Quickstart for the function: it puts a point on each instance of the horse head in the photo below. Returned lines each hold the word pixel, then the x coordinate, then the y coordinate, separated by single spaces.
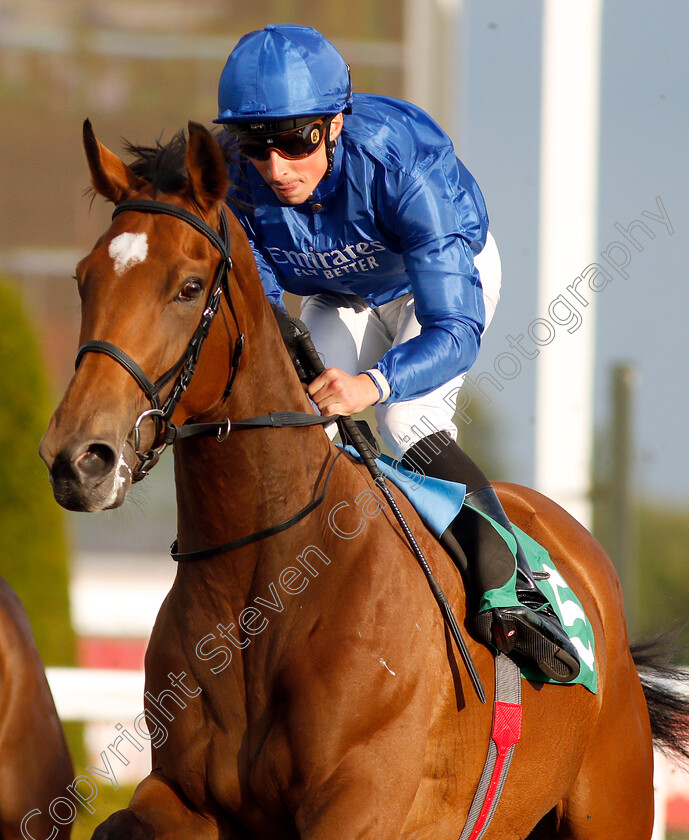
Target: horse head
pixel 145 289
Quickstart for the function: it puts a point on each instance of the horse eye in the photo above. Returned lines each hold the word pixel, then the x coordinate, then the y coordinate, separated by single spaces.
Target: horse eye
pixel 191 290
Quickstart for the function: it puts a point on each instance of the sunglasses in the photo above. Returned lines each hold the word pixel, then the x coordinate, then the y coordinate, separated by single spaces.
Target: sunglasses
pixel 294 144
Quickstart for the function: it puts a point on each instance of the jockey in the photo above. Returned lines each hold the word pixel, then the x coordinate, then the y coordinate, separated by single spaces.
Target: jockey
pixel 359 204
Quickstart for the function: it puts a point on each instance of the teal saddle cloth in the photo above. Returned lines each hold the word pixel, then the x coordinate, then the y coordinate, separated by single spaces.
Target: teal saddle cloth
pixel 438 503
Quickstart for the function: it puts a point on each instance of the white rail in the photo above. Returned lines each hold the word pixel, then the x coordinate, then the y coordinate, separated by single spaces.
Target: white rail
pixel 96 695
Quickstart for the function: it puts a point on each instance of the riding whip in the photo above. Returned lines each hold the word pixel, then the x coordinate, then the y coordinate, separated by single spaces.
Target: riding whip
pixel 361 445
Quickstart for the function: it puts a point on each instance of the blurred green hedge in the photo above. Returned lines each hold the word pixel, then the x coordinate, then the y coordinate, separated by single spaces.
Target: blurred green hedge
pixel 663 580
pixel 33 550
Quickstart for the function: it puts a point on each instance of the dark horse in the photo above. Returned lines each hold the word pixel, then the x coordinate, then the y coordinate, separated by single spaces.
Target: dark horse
pixel 303 684
pixel 35 766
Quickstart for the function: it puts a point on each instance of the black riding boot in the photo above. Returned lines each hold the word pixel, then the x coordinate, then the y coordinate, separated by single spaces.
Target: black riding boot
pixel 531 628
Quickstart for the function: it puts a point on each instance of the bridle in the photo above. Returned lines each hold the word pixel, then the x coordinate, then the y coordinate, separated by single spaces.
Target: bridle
pixel 184 367
pixel 166 431
pixel 161 412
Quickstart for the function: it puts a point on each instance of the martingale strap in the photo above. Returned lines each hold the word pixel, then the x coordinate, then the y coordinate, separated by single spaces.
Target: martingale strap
pixel 207 553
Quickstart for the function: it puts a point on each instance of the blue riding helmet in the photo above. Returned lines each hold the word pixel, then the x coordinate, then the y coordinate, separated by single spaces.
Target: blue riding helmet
pixel 282 71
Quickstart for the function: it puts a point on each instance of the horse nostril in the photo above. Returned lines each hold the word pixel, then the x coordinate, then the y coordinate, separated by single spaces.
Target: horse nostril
pixel 98 460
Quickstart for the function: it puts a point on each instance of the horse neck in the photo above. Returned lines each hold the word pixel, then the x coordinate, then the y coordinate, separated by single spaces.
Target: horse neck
pixel 257 477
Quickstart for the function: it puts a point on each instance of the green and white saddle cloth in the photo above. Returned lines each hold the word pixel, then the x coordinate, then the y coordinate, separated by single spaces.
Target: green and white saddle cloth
pixel 564 602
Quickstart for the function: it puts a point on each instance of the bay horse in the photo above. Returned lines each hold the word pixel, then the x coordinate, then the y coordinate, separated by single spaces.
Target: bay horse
pixel 300 681
pixel 35 765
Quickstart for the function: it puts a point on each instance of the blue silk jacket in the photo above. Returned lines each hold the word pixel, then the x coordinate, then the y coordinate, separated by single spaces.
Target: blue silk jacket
pixel 399 213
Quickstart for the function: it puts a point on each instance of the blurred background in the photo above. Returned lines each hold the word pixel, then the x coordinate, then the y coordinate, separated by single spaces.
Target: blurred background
pixel 140 70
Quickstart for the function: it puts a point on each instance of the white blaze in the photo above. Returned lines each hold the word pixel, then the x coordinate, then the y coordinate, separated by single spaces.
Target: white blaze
pixel 127 250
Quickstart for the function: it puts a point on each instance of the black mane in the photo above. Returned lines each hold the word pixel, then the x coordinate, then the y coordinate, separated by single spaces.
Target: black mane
pixel 164 166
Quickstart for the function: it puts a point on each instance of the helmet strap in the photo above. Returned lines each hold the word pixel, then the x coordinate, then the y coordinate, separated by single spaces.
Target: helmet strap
pixel 329 152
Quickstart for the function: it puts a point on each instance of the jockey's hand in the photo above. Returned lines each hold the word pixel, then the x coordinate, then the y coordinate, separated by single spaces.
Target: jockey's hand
pixel 337 392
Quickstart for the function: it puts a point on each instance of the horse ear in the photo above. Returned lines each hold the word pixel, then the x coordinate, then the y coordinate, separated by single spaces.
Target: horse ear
pixel 110 177
pixel 206 167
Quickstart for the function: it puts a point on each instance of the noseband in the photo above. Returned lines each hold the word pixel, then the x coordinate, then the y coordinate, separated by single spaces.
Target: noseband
pixel 184 368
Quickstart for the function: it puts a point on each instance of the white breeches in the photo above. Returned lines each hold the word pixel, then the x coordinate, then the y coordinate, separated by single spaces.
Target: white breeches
pixel 352 336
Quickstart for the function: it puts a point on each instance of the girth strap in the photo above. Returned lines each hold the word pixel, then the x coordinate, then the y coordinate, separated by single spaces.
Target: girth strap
pixel 505 733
